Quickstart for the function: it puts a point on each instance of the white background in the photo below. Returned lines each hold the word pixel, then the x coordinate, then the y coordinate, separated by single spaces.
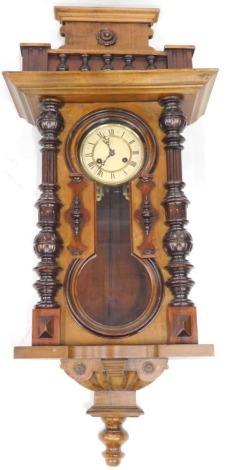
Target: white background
pixel 42 411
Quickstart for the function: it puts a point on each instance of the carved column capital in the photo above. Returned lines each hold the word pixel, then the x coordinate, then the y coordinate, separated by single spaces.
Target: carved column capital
pixel 172 121
pixel 50 122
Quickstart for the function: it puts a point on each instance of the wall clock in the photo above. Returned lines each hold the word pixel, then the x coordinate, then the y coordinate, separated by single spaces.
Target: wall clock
pixel 113 270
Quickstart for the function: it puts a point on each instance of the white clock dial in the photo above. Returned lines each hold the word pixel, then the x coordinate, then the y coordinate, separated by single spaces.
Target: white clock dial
pixel 112 153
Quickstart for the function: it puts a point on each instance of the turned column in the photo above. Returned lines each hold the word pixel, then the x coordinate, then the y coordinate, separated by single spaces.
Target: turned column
pixel 177 241
pixel 48 243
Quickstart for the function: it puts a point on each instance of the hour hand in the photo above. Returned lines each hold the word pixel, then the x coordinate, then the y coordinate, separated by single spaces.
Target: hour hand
pixel 102 162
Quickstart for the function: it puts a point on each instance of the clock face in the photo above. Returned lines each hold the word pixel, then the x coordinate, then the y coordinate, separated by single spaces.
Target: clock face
pixel 112 153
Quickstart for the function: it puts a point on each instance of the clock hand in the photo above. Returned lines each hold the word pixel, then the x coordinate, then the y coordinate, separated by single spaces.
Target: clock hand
pixel 111 154
pixel 107 142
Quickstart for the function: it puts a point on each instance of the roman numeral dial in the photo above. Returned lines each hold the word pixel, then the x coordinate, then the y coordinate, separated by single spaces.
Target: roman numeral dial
pixel 112 153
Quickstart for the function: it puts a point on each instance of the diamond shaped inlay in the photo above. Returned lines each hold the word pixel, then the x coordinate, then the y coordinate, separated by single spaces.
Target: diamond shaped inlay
pixel 46 327
pixel 183 326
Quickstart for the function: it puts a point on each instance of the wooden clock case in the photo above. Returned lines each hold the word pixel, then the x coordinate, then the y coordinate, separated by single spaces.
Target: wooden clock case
pixel 106 72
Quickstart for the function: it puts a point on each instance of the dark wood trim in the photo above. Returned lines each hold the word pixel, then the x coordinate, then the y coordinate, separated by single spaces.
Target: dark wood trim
pixel 48 243
pixel 177 241
pixel 77 215
pixel 146 216
pixel 182 322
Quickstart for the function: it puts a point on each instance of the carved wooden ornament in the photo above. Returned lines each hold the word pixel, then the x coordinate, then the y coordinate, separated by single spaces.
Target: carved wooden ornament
pixel 113 275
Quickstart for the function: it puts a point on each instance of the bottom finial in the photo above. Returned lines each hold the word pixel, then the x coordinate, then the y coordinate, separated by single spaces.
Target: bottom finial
pixel 113 436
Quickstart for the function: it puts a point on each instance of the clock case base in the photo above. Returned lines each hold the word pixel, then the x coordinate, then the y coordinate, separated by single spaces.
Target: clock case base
pixel 114 373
